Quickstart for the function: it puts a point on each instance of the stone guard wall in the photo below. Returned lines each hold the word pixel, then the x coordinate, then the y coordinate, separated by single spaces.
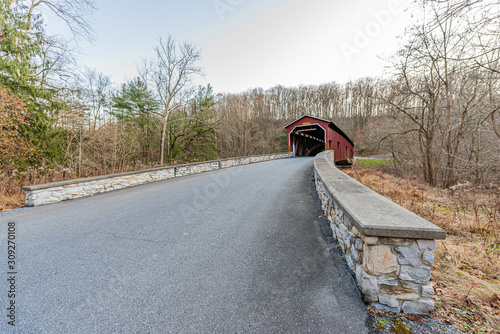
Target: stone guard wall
pixel 388 248
pixel 65 190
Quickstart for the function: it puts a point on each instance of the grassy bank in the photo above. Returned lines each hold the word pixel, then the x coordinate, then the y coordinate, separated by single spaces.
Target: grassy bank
pixel 373 163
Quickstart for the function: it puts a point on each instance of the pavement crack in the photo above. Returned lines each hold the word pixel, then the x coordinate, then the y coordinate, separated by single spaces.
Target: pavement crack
pixel 136 239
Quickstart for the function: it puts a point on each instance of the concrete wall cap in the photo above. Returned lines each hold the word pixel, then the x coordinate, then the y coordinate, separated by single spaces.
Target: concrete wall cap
pixel 371 213
pixel 109 176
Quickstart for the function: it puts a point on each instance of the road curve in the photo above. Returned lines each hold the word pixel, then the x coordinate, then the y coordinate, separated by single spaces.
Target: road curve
pixel 240 250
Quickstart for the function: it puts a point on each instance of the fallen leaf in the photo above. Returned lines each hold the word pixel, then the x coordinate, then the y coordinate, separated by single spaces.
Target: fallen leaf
pixel 416 318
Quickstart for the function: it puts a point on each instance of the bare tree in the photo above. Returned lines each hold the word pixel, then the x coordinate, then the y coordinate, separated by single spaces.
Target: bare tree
pixel 57 52
pixel 75 13
pixel 171 74
pixel 442 88
pixel 95 92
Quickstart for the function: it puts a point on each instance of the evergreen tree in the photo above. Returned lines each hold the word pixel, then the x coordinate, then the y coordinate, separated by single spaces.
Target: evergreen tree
pixel 21 51
pixel 134 104
pixel 191 131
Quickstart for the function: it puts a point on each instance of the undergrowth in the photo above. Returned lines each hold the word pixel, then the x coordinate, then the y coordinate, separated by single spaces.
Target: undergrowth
pixel 466 271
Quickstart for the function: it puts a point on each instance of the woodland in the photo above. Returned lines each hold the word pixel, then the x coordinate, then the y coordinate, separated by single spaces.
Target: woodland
pixel 436 110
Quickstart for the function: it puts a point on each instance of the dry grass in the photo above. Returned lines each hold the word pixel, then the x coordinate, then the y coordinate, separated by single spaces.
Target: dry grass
pixel 466 272
pixel 11 194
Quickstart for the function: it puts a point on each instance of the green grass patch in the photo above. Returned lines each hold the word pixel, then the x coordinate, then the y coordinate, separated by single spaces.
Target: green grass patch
pixel 373 163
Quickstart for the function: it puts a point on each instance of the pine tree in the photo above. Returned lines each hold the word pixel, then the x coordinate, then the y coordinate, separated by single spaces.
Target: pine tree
pixel 134 104
pixel 21 48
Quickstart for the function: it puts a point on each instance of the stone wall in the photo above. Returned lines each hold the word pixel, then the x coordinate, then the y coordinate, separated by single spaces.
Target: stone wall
pixel 388 248
pixel 65 190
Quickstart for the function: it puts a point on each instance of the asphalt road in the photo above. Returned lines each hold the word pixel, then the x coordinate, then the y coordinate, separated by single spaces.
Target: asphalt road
pixel 240 250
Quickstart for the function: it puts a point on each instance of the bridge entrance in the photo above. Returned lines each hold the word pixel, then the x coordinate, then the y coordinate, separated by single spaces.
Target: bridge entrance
pixel 309 135
pixel 307 139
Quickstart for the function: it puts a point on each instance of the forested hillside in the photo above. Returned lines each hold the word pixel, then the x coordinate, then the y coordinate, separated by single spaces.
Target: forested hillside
pixel 436 110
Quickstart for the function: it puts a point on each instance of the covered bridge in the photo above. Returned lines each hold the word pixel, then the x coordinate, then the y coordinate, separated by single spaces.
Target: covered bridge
pixel 309 135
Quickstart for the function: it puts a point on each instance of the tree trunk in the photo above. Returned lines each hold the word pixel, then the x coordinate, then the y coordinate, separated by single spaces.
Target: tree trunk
pixel 162 145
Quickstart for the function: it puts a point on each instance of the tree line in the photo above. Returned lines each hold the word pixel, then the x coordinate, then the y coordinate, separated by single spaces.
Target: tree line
pixel 437 113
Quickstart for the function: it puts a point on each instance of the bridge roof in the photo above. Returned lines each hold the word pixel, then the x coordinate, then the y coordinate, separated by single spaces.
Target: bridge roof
pixel 331 125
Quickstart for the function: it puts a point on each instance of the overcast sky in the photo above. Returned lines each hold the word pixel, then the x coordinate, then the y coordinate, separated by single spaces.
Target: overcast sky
pixel 251 43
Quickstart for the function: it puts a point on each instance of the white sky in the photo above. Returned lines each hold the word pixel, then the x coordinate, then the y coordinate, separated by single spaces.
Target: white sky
pixel 251 43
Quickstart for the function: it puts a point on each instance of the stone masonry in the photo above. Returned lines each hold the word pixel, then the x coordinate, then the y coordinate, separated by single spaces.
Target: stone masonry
pixel 392 273
pixel 65 190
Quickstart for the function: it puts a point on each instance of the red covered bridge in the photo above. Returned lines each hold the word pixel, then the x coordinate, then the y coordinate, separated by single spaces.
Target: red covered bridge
pixel 309 135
